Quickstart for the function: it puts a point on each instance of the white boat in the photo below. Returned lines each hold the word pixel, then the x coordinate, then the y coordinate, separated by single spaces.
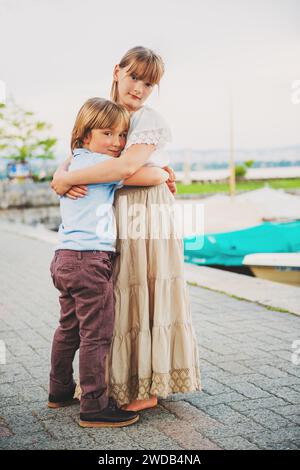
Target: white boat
pixel 277 267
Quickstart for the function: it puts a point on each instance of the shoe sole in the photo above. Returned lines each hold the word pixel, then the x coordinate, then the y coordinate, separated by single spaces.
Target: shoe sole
pixel 104 424
pixel 62 404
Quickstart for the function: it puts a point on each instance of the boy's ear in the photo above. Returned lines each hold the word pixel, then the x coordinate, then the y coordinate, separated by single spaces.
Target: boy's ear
pixel 116 73
pixel 87 138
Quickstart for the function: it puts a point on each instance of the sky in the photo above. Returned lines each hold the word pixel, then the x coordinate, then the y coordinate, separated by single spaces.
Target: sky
pixel 55 54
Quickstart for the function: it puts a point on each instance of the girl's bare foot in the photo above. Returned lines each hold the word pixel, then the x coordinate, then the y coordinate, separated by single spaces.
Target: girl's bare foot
pixel 138 405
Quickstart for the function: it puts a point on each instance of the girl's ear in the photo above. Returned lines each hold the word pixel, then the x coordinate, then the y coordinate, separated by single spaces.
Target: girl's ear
pixel 116 73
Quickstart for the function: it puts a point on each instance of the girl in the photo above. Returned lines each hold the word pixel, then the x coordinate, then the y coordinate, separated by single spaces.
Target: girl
pixel 154 350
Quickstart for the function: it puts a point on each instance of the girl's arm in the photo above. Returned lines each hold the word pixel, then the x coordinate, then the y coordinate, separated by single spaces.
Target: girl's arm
pixel 62 167
pixel 75 191
pixel 147 176
pixel 105 172
pixel 65 165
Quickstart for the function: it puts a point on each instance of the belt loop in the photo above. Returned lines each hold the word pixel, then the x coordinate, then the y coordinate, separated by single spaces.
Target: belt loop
pixel 79 255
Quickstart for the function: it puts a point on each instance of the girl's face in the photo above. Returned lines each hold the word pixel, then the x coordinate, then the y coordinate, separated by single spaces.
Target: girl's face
pixel 132 90
pixel 108 141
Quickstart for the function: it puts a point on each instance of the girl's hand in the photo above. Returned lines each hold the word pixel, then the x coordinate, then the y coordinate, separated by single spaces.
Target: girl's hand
pixel 77 191
pixel 59 183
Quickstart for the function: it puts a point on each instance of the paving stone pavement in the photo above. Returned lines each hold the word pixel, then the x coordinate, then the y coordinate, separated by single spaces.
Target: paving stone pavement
pixel 251 388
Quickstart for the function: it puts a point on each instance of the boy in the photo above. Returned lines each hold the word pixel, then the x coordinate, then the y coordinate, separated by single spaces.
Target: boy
pixel 82 269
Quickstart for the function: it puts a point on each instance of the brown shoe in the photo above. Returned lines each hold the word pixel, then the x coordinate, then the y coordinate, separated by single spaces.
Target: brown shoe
pixel 65 399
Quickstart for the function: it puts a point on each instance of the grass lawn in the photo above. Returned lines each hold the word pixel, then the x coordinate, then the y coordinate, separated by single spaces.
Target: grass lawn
pixel 201 188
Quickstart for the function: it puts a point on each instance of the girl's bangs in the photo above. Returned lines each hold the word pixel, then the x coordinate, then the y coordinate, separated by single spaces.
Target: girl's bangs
pixel 150 71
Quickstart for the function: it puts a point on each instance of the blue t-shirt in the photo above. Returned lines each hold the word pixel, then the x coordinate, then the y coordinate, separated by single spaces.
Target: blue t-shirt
pixel 88 223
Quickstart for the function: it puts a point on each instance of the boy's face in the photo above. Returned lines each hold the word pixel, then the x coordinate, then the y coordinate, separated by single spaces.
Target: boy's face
pixel 108 141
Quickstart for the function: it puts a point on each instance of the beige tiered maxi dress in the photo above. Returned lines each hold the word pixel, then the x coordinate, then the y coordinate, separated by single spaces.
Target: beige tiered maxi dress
pixel 154 349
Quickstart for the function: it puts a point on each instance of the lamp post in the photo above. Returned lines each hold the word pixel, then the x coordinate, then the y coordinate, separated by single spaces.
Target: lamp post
pixel 231 149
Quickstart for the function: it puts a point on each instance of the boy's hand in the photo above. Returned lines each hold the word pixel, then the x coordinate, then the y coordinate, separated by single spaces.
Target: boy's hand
pixel 77 191
pixel 172 186
pixel 172 176
pixel 59 183
pixel 171 180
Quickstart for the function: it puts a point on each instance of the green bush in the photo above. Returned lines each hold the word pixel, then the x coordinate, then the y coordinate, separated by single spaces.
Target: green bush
pixel 240 171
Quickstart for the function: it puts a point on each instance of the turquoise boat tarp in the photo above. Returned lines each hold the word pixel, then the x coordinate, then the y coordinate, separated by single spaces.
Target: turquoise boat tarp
pixel 229 248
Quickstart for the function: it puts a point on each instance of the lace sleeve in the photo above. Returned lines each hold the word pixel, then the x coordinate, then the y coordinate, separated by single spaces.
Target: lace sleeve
pixel 148 127
pixel 157 137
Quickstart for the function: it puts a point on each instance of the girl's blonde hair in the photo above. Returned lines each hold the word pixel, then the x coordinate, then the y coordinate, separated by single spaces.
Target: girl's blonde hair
pixel 98 113
pixel 145 63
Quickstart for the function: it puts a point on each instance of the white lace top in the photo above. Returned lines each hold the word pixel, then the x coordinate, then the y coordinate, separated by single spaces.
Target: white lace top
pixel 147 126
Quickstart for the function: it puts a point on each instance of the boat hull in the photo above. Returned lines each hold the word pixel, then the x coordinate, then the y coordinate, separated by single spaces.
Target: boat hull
pixel 282 274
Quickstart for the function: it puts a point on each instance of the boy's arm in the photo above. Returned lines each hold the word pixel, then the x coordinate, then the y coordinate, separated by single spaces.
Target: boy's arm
pixel 147 176
pixel 104 172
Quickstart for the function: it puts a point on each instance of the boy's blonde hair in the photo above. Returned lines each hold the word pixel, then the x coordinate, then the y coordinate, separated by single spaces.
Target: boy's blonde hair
pixel 145 63
pixel 98 113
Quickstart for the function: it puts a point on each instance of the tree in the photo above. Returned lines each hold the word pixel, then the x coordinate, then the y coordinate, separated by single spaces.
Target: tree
pixel 241 170
pixel 249 163
pixel 22 136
